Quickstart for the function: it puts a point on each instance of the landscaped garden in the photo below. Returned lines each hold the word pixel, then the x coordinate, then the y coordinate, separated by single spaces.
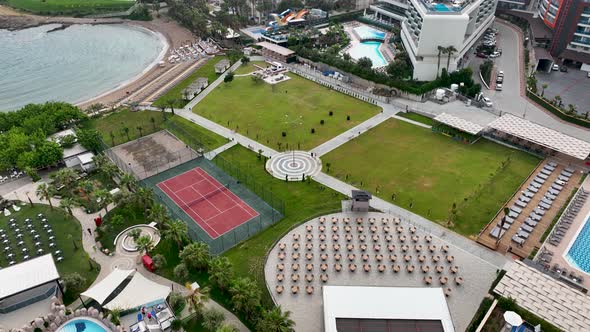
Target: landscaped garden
pixel 76 266
pixel 458 185
pixel 296 114
pixel 173 97
pixel 71 7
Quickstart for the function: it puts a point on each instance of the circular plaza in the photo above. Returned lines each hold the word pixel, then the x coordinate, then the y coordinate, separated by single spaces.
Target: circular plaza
pixel 293 165
pixel 370 249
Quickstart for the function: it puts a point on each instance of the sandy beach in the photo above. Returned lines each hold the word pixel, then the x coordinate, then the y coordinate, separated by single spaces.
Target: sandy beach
pixel 173 34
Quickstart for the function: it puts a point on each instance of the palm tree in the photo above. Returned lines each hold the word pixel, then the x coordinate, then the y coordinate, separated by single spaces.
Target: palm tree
pixel 125 131
pixel 245 296
pixel 544 86
pixel 86 186
pixel 140 129
pixel 196 255
pixel 571 108
pixel 440 51
pixel 176 231
pixel 502 222
pixel 196 299
pixel 171 103
pixel 227 328
pixel 105 198
pixel 158 214
pixel 45 192
pixel 558 100
pixel 106 167
pixel 153 121
pixel 127 180
pixel 144 244
pixel 276 320
pixel 212 319
pixel 135 234
pixel 449 51
pixel 112 138
pixel 65 177
pixel 220 271
pixel 67 204
pixel 144 197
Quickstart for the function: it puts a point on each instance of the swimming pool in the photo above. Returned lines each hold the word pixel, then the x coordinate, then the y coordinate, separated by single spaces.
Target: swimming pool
pixel 579 253
pixel 82 325
pixel 369 49
pixel 440 7
pixel 366 32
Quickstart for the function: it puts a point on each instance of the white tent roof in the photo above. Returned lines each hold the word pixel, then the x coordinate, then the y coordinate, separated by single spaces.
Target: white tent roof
pixel 140 291
pixel 102 289
pixel 412 303
pixel 27 275
pixel 543 136
pixel 461 124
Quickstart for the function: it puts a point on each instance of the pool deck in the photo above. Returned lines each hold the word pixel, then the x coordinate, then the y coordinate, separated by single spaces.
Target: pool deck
pixel 560 251
pixel 354 40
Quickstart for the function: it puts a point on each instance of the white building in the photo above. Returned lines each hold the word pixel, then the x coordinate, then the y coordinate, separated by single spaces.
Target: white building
pixel 429 25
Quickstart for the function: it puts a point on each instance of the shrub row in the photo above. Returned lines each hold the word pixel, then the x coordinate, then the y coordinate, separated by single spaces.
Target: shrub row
pixel 556 111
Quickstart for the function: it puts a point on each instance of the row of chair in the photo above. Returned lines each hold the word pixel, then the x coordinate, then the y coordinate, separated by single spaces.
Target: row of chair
pixel 567 217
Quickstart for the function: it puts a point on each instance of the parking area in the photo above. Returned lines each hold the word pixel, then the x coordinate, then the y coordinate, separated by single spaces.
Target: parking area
pixel 572 86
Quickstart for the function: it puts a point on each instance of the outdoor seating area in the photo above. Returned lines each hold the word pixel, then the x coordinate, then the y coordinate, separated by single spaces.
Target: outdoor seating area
pixel 12 175
pixel 25 239
pixel 566 219
pixel 157 317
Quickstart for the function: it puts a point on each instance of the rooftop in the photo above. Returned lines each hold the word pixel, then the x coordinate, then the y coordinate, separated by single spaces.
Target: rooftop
pixel 276 48
pixel 27 275
pixel 461 124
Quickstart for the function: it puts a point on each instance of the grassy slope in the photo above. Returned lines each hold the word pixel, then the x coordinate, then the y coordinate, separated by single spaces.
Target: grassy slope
pixel 132 216
pixel 175 93
pixel 295 107
pixel 115 122
pixel 70 6
pixel 417 117
pixel 75 260
pixel 433 171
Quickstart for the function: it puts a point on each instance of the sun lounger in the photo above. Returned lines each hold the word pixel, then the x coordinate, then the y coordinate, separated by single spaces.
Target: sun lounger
pixel 553 191
pixel 524 199
pixel 549 168
pixel 538 180
pixel 530 222
pixel 546 171
pixel 536 184
pixel 569 169
pixel 559 182
pixel 529 194
pixel 550 196
pixel 495 233
pixel 543 176
pixel 527 228
pixel 518 239
pixel 516 209
pixel 544 205
pixel 566 173
pixel 535 216
pixel 523 235
pixel 520 203
pixel 513 214
pixel 547 201
pixel 557 187
pixel 509 220
pixel 533 189
pixel 552 163
pixel 539 211
pixel 563 178
pixel 506 225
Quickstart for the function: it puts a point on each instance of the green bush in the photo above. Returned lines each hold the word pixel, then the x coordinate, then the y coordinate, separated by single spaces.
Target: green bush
pixel 507 304
pixel 556 111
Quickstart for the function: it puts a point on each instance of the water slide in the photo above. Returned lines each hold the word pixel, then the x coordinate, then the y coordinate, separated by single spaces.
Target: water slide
pixel 287 18
pixel 301 13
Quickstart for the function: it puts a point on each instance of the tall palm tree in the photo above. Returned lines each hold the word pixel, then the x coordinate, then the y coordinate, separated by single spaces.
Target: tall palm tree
pixel 176 231
pixel 196 255
pixel 158 214
pixel 449 51
pixel 67 204
pixel 112 138
pixel 127 180
pixel 125 131
pixel 226 328
pixel 144 244
pixel 220 271
pixel 544 86
pixel 275 320
pixel 144 197
pixel 105 198
pixel 45 192
pixel 140 129
pixel 440 51
pixel 171 103
pixel 153 121
pixel 245 296
pixel 196 299
pixel 65 177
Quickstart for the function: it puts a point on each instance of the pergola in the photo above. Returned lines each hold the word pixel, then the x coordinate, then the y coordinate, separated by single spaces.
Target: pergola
pixel 458 123
pixel 541 136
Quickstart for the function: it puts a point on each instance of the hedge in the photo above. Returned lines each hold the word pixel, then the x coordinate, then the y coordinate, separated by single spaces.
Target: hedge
pixel 556 111
pixel 510 305
pixel 480 314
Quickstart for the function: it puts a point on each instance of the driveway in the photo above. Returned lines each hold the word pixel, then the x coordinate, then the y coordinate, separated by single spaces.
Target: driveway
pixel 573 87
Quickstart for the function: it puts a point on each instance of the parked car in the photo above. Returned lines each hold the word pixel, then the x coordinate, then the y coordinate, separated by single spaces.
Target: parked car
pixel 487 101
pixel 563 69
pixel 499 79
pixel 481 55
pixel 499 50
pixel 500 73
pixel 494 54
pixel 589 74
pixel 555 67
pixel 498 86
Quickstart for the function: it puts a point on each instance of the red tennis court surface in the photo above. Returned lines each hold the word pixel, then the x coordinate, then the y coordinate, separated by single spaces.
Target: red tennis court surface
pixel 209 203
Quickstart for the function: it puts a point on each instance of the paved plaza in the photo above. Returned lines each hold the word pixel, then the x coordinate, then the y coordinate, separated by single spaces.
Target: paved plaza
pixel 309 256
pixel 572 87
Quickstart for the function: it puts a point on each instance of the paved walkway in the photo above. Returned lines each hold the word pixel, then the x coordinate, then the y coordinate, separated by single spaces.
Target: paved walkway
pixel 211 87
pixel 120 259
pixel 211 154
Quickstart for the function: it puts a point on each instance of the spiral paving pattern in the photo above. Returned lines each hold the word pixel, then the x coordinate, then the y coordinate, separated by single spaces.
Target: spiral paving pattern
pixel 293 165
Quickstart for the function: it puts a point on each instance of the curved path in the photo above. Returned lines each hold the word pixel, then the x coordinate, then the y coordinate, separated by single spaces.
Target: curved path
pixel 121 259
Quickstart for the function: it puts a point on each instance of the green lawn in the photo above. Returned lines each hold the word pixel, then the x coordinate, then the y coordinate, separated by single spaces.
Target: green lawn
pixel 64 226
pixel 71 7
pixel 249 67
pixel 182 128
pixel 175 93
pixel 417 117
pixel 295 107
pixel 431 172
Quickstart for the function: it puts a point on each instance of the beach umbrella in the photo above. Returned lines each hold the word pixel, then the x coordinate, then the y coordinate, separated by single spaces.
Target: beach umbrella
pixel 512 318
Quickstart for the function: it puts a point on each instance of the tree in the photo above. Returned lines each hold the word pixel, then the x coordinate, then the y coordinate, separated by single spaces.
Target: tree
pixel 220 271
pixel 128 181
pixel 176 301
pixel 48 154
pixel 86 187
pixel 256 79
pixel 125 131
pixel 245 60
pixel 558 100
pixel 544 86
pixel 226 328
pixel 364 62
pixel 289 4
pixel 134 233
pixel 65 177
pixel 229 77
pixel 153 121
pixel 571 108
pixel 144 198
pixel 104 198
pixel 196 299
pixel 118 221
pixel 181 272
pixel 449 51
pixel 195 255
pixel 212 319
pixel 275 320
pixel 45 192
pixel 74 282
pixel 440 50
pixel 140 129
pixel 532 83
pixel 112 138
pixel 158 214
pixel 502 222
pixel 245 296
pixel 144 244
pixel 159 261
pixel 67 204
pixel 176 231
pixel 90 139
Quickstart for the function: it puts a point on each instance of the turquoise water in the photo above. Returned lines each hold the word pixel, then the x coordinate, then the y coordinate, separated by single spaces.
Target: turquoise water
pixel 81 325
pixel 579 252
pixel 439 7
pixel 369 49
pixel 74 64
pixel 366 32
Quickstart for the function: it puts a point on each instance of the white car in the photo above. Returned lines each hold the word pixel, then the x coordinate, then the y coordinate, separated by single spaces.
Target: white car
pixel 555 67
pixel 498 88
pixel 494 55
pixel 487 101
pixel 500 73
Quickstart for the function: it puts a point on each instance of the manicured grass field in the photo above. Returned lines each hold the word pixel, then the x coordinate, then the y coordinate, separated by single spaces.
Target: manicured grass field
pixel 428 172
pixel 116 122
pixel 71 7
pixel 295 107
pixel 417 117
pixel 175 93
pixel 68 238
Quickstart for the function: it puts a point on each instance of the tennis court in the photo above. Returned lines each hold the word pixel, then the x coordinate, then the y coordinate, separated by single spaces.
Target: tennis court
pixel 209 203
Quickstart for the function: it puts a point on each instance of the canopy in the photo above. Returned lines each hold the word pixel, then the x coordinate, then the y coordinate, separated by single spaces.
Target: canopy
pixel 26 275
pixel 102 289
pixel 512 318
pixel 139 292
pixel 461 124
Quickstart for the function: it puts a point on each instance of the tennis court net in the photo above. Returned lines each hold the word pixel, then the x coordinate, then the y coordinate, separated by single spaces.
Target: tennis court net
pixel 208 195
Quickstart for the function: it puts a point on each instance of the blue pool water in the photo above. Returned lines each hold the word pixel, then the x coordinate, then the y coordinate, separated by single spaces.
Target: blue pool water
pixel 81 325
pixel 369 49
pixel 439 7
pixel 579 253
pixel 366 32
